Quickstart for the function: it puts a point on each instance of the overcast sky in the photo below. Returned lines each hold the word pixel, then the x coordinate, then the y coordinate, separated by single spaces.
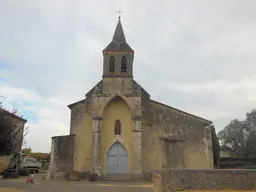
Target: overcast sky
pixel 198 56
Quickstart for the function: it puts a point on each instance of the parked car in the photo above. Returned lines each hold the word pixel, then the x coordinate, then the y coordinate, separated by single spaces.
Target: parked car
pixel 12 165
pixel 32 164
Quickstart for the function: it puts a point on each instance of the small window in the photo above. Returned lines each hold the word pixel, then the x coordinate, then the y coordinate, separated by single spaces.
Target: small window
pixel 112 64
pixel 123 64
pixel 117 127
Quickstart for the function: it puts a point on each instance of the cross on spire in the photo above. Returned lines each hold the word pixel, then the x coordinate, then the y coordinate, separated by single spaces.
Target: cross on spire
pixel 119 12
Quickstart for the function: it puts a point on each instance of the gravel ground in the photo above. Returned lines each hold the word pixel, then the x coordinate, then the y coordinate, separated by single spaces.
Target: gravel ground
pixel 19 185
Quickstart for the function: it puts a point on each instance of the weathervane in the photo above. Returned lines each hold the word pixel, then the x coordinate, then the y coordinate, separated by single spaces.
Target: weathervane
pixel 119 12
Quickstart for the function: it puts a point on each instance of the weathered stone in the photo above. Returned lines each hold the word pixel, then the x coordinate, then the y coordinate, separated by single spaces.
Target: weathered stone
pixel 96 144
pixel 157 183
pixel 92 177
pixel 137 167
pixel 215 179
pixel 74 176
pixel 62 154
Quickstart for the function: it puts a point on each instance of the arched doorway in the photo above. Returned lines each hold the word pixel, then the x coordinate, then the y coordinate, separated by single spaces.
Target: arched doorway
pixel 116 124
pixel 117 160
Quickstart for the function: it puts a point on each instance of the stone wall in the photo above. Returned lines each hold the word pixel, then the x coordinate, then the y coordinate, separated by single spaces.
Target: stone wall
pixel 81 126
pixel 211 179
pixel 62 153
pixel 90 124
pixel 174 139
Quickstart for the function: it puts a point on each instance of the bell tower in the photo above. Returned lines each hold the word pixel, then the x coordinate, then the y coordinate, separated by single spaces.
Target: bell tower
pixel 118 56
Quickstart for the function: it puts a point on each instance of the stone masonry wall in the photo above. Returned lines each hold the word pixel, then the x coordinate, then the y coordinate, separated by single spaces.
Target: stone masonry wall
pixel 93 107
pixel 210 179
pixel 193 152
pixel 62 153
pixel 129 91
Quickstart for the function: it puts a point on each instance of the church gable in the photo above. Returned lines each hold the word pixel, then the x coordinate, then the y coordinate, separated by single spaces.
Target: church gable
pixel 97 89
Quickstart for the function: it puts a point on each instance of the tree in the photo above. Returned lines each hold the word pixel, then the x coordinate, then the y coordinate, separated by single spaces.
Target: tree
pixel 27 150
pixel 11 135
pixel 240 136
pixel 41 156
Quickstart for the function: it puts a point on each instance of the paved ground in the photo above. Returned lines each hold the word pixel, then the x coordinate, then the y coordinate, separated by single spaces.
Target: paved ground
pixel 18 185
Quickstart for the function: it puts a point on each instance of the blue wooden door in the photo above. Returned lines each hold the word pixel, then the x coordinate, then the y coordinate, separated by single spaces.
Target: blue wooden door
pixel 117 160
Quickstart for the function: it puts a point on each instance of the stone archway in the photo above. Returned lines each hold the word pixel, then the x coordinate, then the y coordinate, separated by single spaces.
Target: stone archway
pixel 116 109
pixel 113 98
pixel 117 160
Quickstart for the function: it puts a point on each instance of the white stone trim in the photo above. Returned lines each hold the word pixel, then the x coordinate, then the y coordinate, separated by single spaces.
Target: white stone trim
pixel 120 140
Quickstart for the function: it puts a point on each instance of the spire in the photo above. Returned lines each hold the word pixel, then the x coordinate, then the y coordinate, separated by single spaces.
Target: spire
pixel 119 32
pixel 118 42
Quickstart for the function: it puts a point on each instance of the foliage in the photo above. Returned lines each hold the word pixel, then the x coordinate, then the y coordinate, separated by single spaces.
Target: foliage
pixel 41 156
pixel 240 136
pixel 37 155
pixel 11 136
pixel 27 150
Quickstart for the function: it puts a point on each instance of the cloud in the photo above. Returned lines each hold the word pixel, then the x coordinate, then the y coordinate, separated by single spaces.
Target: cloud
pixel 13 94
pixel 46 117
pixel 197 56
pixel 216 100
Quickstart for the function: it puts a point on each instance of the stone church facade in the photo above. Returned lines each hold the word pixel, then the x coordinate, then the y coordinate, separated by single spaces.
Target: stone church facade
pixel 120 130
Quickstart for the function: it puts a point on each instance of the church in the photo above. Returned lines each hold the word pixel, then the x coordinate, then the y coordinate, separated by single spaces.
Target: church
pixel 118 129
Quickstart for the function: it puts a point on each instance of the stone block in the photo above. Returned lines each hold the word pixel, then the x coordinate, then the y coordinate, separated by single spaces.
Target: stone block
pixel 208 179
pixel 74 176
pixel 92 177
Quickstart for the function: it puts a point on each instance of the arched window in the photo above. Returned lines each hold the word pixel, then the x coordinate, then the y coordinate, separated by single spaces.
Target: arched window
pixel 112 64
pixel 123 64
pixel 117 127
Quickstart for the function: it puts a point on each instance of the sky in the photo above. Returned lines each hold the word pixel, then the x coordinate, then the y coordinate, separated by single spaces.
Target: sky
pixel 197 56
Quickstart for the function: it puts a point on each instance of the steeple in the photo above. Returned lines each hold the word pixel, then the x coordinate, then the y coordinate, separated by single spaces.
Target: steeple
pixel 118 56
pixel 118 42
pixel 119 32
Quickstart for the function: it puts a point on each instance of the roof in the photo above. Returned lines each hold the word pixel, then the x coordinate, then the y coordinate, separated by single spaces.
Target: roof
pixel 118 42
pixel 202 119
pixel 73 104
pixel 13 115
pixel 98 87
pixel 95 88
pixel 119 32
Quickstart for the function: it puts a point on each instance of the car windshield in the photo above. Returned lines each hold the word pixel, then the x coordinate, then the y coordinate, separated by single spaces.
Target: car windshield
pixel 30 160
